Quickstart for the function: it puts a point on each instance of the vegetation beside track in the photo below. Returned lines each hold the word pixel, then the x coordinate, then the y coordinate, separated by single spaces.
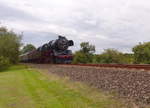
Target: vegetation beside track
pixel 10 44
pixel 140 55
pixel 23 87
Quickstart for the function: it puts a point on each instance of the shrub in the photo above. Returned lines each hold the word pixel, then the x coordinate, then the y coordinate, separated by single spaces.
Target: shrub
pixel 10 43
pixel 79 57
pixel 113 56
pixel 142 53
pixel 85 54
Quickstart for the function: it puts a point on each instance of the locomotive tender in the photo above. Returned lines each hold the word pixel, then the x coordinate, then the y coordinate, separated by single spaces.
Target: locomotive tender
pixel 56 51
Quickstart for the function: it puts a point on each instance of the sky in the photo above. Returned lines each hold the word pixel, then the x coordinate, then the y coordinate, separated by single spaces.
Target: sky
pixel 118 24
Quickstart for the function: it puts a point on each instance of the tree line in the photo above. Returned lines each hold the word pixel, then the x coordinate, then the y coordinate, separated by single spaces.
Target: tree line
pixel 140 55
pixel 10 44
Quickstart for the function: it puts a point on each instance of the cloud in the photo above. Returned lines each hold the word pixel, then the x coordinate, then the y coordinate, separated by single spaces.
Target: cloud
pixel 13 14
pixel 35 37
pixel 106 24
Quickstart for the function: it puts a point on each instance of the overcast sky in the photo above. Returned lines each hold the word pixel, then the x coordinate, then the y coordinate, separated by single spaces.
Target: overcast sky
pixel 118 24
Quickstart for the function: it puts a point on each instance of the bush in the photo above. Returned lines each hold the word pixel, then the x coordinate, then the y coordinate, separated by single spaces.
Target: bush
pixel 142 53
pixel 9 45
pixel 85 54
pixel 80 57
pixel 4 63
pixel 113 56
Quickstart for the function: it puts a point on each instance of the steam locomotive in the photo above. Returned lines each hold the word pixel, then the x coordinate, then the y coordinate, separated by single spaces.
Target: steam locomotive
pixel 56 51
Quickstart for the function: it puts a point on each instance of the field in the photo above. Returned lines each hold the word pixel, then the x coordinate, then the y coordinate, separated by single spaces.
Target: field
pixel 24 87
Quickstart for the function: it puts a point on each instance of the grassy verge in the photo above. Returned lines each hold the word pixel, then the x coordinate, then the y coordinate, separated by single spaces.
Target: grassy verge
pixel 22 87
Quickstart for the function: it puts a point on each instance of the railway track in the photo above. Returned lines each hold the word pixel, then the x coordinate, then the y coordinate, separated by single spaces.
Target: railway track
pixel 128 66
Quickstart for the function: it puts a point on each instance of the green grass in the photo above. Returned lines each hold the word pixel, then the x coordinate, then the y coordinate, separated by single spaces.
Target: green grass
pixel 23 87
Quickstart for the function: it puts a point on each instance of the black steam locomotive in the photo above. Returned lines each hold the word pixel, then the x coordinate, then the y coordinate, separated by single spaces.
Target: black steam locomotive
pixel 56 51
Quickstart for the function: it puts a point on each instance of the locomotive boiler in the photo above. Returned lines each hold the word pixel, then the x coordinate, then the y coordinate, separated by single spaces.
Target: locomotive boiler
pixel 56 51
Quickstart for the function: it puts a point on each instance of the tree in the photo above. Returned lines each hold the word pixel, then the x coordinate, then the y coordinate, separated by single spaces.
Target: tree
pixel 87 48
pixel 85 54
pixel 142 53
pixel 10 43
pixel 28 48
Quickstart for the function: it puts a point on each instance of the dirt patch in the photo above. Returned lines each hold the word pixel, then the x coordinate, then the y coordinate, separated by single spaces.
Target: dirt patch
pixel 132 84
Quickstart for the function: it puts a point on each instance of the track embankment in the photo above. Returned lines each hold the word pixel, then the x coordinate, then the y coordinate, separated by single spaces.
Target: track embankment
pixel 130 83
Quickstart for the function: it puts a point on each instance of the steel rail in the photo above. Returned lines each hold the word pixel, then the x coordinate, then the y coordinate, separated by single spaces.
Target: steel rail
pixel 129 66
